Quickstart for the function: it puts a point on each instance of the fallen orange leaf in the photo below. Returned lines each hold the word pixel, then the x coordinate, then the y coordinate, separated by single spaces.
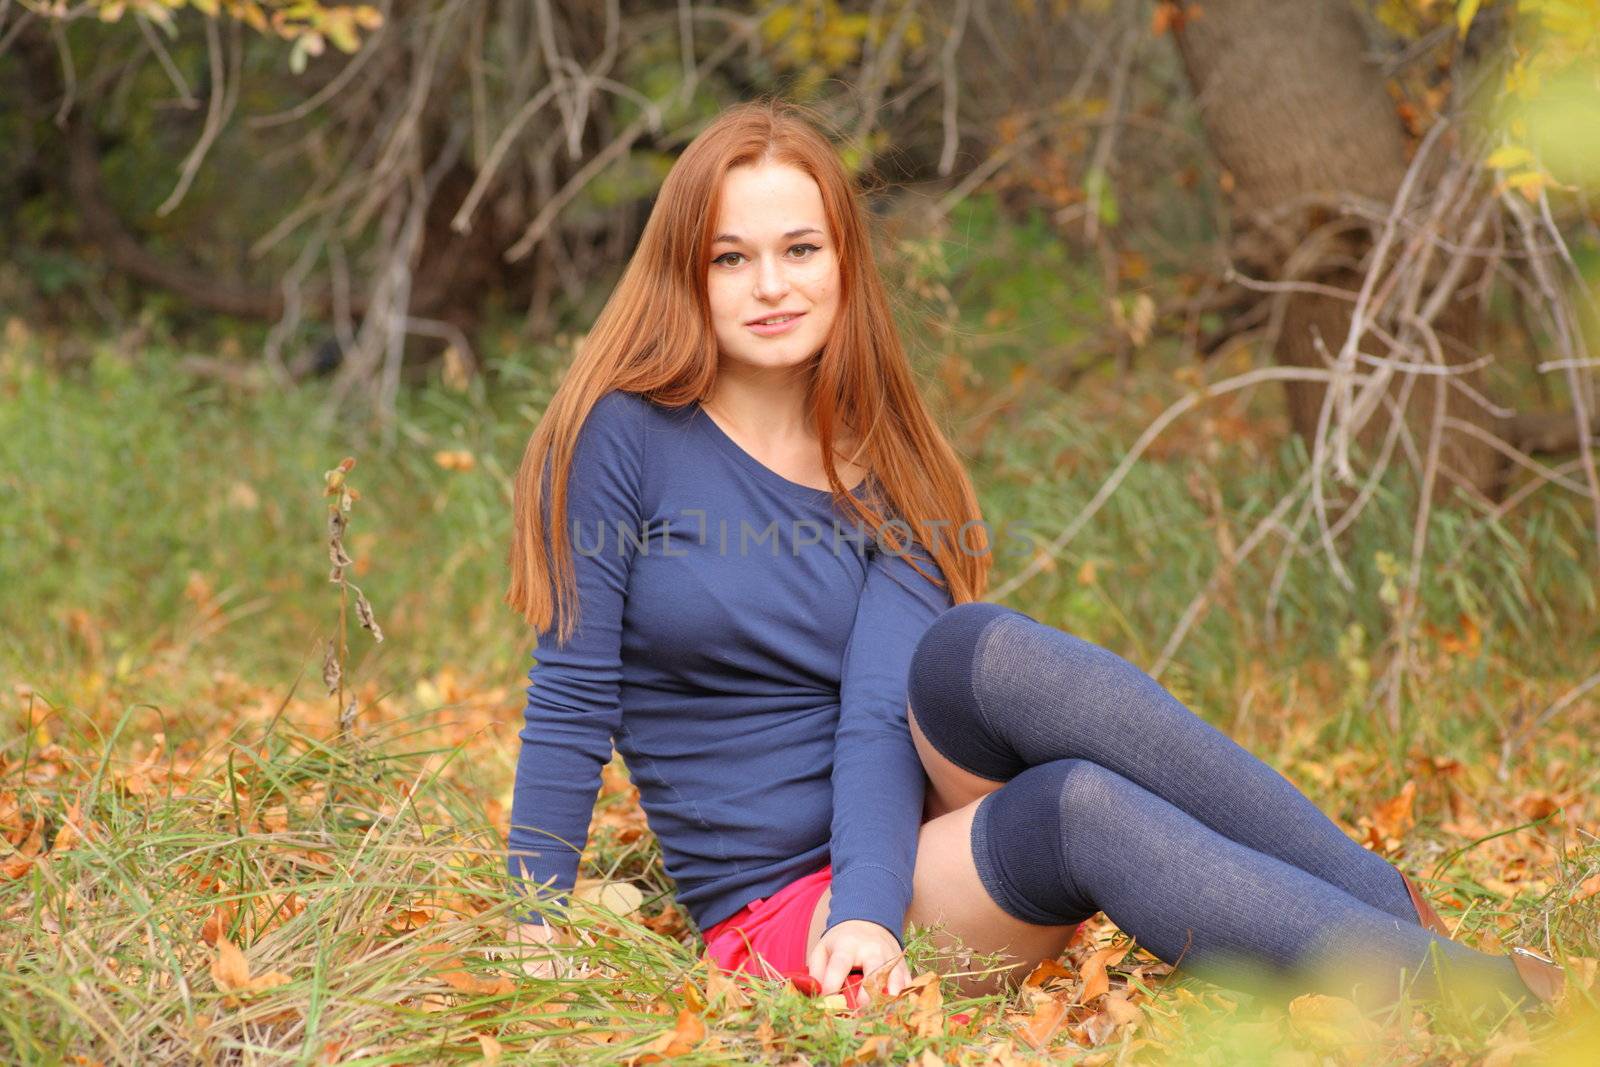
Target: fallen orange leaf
pixel 469 983
pixel 926 1018
pixel 1046 1019
pixel 1121 1009
pixel 692 998
pixel 688 1032
pixel 231 971
pixel 16 866
pixel 1046 970
pixel 723 989
pixel 219 920
pixel 1394 817
pixel 873 1049
pixel 1095 979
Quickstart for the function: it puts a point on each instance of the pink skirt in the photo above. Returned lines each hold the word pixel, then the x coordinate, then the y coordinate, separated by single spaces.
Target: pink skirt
pixel 767 937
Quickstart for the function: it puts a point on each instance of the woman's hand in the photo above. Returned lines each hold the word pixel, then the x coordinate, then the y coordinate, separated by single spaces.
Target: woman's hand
pixel 857 943
pixel 536 956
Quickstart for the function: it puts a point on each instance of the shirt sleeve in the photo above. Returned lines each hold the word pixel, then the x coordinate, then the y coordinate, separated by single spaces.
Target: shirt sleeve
pixel 878 780
pixel 574 704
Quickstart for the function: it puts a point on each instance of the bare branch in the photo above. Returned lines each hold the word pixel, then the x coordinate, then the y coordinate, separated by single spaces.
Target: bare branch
pixel 947 64
pixel 1173 412
pixel 215 116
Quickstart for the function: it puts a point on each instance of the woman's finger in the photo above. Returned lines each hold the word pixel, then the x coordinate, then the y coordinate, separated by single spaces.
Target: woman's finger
pixel 840 963
pixel 817 962
pixel 899 978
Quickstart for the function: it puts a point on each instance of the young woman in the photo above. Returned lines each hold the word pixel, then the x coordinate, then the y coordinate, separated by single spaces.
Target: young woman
pixel 755 565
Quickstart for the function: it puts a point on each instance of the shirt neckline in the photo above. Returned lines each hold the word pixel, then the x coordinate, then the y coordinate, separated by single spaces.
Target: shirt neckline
pixel 738 452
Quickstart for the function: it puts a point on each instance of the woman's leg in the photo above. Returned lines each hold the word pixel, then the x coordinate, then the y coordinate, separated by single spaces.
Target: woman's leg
pixel 996 692
pixel 1067 838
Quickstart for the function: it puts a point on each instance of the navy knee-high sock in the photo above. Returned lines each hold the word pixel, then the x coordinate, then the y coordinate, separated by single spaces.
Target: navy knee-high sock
pixel 997 692
pixel 1067 838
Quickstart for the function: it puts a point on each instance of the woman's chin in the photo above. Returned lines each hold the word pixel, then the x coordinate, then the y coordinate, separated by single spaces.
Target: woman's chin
pixel 772 357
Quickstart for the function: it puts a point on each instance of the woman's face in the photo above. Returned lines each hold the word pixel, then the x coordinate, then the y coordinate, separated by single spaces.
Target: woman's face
pixel 771 255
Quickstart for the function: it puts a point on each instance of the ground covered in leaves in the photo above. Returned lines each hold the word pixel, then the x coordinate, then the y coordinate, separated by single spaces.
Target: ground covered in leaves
pixel 230 874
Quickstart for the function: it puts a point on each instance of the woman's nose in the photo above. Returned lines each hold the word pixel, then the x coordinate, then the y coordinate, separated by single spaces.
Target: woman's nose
pixel 770 279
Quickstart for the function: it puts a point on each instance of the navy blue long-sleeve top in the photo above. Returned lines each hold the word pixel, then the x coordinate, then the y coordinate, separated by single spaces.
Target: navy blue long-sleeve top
pixel 745 646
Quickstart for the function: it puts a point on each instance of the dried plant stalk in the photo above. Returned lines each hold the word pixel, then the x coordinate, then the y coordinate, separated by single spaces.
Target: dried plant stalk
pixel 342 497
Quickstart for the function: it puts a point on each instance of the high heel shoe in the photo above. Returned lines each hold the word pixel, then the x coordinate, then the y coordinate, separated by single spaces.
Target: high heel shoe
pixel 1544 978
pixel 1425 914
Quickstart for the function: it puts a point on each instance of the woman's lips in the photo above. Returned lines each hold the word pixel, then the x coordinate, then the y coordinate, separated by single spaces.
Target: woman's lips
pixel 773 330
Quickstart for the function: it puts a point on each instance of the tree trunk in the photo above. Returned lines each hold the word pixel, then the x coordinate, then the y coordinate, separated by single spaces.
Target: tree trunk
pixel 1294 109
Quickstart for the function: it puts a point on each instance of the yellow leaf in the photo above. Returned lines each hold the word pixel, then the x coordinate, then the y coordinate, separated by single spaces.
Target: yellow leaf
pixel 340 26
pixel 251 12
pixel 1507 156
pixel 619 898
pixel 1465 10
pixel 1329 1024
pixel 1528 183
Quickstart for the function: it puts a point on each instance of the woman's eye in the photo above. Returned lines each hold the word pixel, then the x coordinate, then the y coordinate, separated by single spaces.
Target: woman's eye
pixel 808 250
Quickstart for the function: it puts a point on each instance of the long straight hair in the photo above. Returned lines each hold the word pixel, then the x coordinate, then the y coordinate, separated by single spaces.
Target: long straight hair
pixel 654 337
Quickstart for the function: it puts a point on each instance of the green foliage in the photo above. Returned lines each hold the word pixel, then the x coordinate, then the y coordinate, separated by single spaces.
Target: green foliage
pixel 1023 292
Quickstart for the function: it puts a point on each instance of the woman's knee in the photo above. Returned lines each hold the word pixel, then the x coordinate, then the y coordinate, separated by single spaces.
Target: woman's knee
pixel 1093 794
pixel 943 695
pixel 954 633
pixel 1021 836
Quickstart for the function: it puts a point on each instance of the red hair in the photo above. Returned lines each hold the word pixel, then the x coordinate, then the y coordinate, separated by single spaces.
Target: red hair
pixel 654 337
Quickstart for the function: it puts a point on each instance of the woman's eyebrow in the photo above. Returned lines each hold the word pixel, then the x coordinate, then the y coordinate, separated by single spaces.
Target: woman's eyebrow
pixel 735 239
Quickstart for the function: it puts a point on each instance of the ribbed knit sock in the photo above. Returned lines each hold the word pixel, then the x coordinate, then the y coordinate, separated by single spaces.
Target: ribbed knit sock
pixel 1067 838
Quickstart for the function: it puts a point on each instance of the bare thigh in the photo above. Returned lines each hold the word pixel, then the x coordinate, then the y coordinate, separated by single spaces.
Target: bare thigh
pixel 947 896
